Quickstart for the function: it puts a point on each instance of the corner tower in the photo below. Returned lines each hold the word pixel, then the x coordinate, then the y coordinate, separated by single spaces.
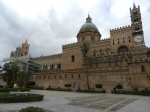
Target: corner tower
pixel 136 24
pixel 88 32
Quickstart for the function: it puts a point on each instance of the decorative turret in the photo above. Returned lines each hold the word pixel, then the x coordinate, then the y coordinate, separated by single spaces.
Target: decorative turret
pixel 21 50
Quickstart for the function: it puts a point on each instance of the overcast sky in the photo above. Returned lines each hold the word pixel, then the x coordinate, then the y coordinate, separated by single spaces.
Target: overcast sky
pixel 49 24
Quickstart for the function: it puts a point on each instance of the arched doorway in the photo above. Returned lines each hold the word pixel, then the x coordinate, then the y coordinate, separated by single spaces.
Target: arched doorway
pixel 123 49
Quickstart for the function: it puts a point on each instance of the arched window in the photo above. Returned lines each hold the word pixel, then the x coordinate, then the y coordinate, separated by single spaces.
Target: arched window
pixel 123 40
pixel 92 39
pixel 52 66
pixel 123 49
pixel 72 58
pixel 113 41
pixel 54 76
pixel 83 39
pixel 129 39
pixel 142 68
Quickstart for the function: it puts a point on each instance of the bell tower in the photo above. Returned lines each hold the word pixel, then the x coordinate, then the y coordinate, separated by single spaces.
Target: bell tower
pixel 136 24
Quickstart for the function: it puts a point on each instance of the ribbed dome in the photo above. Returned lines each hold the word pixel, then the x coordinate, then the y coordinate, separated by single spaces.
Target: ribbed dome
pixel 88 25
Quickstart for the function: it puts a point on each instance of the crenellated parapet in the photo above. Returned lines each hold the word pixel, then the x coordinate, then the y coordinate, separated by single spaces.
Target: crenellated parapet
pixel 121 29
pixel 105 39
pixel 70 45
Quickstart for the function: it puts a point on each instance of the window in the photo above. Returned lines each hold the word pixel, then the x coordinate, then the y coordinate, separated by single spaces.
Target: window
pixel 83 39
pixel 65 76
pixel 54 76
pixel 142 68
pixel 79 76
pixel 48 77
pixel 44 77
pixel 60 76
pixel 72 76
pixel 118 41
pixel 92 39
pixel 113 41
pixel 116 63
pixel 123 40
pixel 52 66
pixel 129 39
pixel 72 58
pixel 94 53
pixel 109 64
pixel 96 64
pixel 123 49
pixel 59 66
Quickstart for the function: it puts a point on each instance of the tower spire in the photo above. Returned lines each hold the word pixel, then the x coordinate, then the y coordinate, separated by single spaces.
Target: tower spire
pixel 88 19
pixel 134 6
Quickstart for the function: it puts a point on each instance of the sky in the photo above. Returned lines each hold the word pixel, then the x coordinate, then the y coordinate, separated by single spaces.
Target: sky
pixel 49 24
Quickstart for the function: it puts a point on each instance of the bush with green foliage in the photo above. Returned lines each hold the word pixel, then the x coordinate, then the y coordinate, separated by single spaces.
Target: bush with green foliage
pixel 119 86
pixel 31 83
pixel 14 89
pixel 67 85
pixel 16 98
pixel 98 86
pixel 1 86
pixel 32 109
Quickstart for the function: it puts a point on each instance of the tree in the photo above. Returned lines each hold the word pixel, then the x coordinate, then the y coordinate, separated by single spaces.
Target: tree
pixel 119 86
pixel 68 86
pixel 22 78
pixel 98 86
pixel 12 74
pixel 85 49
pixel 9 72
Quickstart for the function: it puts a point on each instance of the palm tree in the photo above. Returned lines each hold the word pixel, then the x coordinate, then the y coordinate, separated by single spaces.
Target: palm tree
pixel 22 78
pixel 9 72
pixel 85 49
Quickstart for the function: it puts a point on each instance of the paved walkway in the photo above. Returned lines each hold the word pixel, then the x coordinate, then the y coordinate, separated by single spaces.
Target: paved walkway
pixel 57 101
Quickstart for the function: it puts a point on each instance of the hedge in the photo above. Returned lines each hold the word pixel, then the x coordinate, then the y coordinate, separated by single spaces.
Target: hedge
pixel 8 98
pixel 141 92
pixel 14 89
pixel 32 109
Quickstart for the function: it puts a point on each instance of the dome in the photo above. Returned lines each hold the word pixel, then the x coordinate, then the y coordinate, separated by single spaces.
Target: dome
pixel 88 25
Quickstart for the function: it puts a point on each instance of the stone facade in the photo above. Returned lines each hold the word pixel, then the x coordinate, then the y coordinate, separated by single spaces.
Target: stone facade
pixel 21 50
pixel 120 59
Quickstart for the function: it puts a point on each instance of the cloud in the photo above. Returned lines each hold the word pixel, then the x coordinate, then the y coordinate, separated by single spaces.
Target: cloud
pixel 52 23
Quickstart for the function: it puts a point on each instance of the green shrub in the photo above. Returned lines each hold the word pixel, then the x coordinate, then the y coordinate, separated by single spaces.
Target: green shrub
pixel 144 92
pixel 67 85
pixel 98 86
pixel 32 109
pixel 15 98
pixel 103 91
pixel 31 83
pixel 119 86
pixel 14 89
pixel 1 86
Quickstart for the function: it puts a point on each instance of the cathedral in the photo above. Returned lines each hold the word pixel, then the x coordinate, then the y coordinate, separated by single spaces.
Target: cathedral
pixel 121 59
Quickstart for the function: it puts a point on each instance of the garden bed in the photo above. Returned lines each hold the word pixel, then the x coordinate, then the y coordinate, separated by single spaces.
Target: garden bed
pixel 14 89
pixel 14 98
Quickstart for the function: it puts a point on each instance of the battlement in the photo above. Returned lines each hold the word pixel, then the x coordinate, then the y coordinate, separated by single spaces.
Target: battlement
pixel 105 39
pixel 118 30
pixel 70 45
pixel 49 56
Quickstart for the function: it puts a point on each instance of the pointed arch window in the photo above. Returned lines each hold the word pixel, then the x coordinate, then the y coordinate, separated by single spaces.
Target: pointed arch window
pixel 123 40
pixel 92 39
pixel 142 68
pixel 72 58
